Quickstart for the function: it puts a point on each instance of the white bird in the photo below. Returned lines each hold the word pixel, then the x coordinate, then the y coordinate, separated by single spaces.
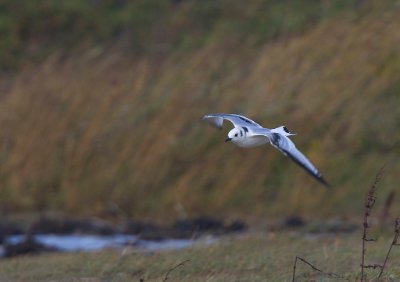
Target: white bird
pixel 247 133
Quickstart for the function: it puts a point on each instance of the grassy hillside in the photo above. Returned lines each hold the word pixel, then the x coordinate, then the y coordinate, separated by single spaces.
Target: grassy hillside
pixel 33 30
pixel 93 122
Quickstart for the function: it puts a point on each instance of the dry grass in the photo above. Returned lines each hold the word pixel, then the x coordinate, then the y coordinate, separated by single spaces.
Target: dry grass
pixel 80 133
pixel 254 257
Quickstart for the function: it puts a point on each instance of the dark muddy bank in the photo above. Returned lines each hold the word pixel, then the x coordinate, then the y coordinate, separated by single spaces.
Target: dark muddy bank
pixel 50 234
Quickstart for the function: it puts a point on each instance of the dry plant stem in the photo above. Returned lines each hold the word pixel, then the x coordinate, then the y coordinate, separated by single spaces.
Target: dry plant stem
pixel 388 204
pixel 369 203
pixel 330 274
pixel 294 268
pixel 373 266
pixel 175 267
pixel 394 243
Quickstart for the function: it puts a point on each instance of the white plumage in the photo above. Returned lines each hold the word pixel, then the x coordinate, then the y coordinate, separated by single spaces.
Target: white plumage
pixel 247 133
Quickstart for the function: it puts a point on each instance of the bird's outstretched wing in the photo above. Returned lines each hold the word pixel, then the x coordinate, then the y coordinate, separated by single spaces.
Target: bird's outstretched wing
pixel 287 147
pixel 237 120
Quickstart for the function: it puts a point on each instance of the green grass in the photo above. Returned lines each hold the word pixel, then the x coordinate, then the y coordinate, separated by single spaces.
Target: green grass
pixel 258 256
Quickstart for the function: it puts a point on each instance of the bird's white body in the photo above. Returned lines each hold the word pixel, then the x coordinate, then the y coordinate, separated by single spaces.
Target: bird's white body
pixel 247 134
pixel 251 141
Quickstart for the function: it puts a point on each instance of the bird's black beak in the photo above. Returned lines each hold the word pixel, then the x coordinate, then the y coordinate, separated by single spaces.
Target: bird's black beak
pixel 228 139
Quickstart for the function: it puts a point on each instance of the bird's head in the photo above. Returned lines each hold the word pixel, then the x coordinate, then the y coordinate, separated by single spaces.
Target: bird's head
pixel 234 135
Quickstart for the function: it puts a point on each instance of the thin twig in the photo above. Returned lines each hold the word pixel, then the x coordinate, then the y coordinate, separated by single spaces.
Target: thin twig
pixel 394 243
pixel 312 266
pixel 373 266
pixel 294 268
pixel 330 274
pixel 175 267
pixel 387 206
pixel 369 203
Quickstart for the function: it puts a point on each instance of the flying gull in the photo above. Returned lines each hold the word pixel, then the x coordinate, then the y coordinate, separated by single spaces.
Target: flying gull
pixel 247 133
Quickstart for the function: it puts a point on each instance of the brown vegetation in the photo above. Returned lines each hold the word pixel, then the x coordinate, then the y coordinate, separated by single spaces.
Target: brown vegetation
pixel 80 133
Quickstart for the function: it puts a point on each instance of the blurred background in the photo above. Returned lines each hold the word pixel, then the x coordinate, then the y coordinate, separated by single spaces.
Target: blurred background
pixel 101 104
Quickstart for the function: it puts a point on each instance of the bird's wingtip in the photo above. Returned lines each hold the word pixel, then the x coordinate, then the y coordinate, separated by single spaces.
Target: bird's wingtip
pixel 213 120
pixel 325 183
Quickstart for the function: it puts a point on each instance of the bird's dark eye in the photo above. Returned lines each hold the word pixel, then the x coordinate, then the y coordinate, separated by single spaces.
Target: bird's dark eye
pixel 236 135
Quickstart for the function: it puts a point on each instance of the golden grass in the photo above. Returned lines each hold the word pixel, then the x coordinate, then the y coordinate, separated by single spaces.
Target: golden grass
pixel 82 132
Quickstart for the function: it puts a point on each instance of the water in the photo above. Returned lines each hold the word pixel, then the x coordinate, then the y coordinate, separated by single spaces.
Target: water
pixel 90 243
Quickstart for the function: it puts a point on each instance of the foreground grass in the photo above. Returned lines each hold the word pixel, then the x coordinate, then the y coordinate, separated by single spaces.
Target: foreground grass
pixel 252 257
